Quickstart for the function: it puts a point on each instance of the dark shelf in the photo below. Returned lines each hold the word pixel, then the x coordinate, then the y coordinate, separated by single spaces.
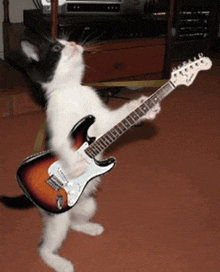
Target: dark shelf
pixel 98 28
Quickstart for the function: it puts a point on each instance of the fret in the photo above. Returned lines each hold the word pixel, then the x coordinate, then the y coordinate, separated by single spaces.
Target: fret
pixel 112 135
pixel 114 132
pixel 130 120
pixel 140 112
pixel 94 154
pixel 100 143
pixel 160 94
pixel 105 140
pixel 103 143
pixel 168 87
pixel 108 137
pixel 134 116
pixel 126 123
pixel 155 98
pixel 144 108
pixel 90 152
pixel 123 128
pixel 119 131
pixel 95 149
pixel 150 103
pixel 98 147
pixel 123 125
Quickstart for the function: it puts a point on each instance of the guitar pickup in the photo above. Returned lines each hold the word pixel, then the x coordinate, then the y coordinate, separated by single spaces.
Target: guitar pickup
pixel 54 183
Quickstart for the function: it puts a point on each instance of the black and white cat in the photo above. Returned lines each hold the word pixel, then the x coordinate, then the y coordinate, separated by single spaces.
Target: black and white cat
pixel 59 69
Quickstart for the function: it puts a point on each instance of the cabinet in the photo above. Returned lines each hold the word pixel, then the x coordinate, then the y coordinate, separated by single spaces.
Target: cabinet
pixel 134 60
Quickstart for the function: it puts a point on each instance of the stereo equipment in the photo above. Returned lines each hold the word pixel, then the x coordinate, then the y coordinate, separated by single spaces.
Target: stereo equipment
pixel 98 27
pixel 84 6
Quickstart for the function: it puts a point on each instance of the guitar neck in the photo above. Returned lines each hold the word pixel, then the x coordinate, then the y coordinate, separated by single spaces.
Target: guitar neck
pixel 112 135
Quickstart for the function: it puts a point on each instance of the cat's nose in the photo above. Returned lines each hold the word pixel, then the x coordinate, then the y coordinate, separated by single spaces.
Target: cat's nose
pixel 73 44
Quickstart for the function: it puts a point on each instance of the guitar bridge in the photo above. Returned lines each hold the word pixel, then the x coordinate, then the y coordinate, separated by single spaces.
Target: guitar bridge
pixel 54 183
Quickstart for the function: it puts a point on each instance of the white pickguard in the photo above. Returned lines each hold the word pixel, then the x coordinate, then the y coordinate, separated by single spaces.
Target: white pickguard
pixel 75 187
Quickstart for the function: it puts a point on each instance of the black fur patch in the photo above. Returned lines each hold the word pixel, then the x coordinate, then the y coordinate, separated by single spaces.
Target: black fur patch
pixel 49 52
pixel 42 71
pixel 17 202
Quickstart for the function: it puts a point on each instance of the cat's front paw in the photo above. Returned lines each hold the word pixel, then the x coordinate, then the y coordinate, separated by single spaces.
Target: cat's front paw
pixel 77 171
pixel 78 167
pixel 133 104
pixel 151 114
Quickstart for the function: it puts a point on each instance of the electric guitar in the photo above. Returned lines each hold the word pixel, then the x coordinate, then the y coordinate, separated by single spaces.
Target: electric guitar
pixel 41 176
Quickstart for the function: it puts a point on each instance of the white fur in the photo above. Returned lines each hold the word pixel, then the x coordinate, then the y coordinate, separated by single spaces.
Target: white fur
pixel 68 102
pixel 29 50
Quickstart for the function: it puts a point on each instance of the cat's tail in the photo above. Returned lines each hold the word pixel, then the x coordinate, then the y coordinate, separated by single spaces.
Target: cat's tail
pixel 17 202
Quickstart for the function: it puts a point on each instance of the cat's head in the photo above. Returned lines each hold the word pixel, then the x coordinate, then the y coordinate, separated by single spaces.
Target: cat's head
pixel 53 60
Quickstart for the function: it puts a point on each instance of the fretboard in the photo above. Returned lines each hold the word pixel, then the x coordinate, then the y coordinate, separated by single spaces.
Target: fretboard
pixel 113 134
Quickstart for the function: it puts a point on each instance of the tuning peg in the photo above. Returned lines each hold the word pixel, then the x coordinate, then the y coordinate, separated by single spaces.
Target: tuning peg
pixel 200 55
pixel 174 69
pixel 184 63
pixel 195 58
pixel 180 66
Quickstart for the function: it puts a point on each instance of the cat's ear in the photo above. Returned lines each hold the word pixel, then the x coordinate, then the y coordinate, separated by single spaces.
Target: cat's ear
pixel 30 50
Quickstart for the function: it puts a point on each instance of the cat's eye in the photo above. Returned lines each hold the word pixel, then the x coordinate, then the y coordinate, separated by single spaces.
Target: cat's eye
pixel 57 48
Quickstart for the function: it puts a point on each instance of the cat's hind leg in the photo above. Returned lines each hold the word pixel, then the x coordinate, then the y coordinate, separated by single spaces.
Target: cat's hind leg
pixel 82 213
pixel 54 233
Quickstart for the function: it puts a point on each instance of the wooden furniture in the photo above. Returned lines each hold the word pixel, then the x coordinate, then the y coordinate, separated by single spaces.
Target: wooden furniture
pixel 132 59
pixel 115 60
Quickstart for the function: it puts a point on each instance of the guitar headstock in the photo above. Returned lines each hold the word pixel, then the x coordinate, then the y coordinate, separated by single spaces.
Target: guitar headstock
pixel 185 74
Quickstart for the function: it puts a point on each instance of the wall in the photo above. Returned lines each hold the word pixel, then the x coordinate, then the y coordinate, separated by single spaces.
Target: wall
pixel 16 15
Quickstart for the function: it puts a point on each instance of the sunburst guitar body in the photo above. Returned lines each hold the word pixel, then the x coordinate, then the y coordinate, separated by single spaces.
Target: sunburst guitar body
pixel 45 183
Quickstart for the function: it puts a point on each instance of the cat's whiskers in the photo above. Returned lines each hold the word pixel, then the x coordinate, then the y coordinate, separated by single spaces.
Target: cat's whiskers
pixel 66 34
pixel 91 48
pixel 85 41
